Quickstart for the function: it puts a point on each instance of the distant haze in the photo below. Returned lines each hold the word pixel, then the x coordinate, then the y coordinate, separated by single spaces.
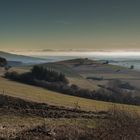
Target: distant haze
pixel 80 53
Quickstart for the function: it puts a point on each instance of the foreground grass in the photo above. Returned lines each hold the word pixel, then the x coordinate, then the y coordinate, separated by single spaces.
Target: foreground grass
pixel 11 124
pixel 21 119
pixel 121 125
pixel 45 96
pixel 18 116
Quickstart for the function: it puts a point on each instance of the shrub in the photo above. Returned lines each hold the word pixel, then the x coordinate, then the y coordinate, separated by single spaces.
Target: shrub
pixel 121 125
pixel 3 62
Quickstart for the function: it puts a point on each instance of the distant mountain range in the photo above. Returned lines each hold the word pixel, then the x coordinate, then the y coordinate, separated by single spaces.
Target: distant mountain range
pixel 21 58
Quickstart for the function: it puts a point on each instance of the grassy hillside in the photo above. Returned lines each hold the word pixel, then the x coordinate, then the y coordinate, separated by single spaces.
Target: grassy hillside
pixel 90 68
pixel 73 76
pixel 77 71
pixel 42 95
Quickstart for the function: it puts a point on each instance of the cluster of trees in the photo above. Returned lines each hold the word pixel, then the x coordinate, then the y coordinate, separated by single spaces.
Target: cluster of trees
pixel 55 81
pixel 38 73
pixel 118 86
pixel 41 73
pixel 117 97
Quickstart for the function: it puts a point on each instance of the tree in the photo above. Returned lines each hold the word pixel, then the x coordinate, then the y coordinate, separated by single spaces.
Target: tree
pixel 106 62
pixel 42 73
pixel 132 67
pixel 3 62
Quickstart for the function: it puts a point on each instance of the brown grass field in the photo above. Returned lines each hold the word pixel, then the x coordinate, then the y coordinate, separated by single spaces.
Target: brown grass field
pixel 45 96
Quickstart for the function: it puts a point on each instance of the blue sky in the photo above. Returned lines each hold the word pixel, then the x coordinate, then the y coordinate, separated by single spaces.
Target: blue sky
pixel 70 24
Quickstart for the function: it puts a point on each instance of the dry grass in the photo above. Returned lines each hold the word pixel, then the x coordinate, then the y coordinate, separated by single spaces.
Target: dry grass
pixel 122 125
pixel 18 116
pixel 42 95
pixel 11 124
pixel 83 83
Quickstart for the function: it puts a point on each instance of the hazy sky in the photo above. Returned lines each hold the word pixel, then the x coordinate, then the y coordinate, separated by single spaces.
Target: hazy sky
pixel 70 24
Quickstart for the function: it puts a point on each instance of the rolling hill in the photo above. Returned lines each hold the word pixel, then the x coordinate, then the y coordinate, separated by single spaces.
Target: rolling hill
pixel 14 58
pixel 90 74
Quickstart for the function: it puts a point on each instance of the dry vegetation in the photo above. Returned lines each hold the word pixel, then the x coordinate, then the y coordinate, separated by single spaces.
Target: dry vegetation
pixel 17 116
pixel 37 94
pixel 122 125
pixel 22 119
pixel 30 112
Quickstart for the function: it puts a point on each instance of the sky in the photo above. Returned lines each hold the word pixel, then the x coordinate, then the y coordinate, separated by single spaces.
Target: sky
pixel 70 25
